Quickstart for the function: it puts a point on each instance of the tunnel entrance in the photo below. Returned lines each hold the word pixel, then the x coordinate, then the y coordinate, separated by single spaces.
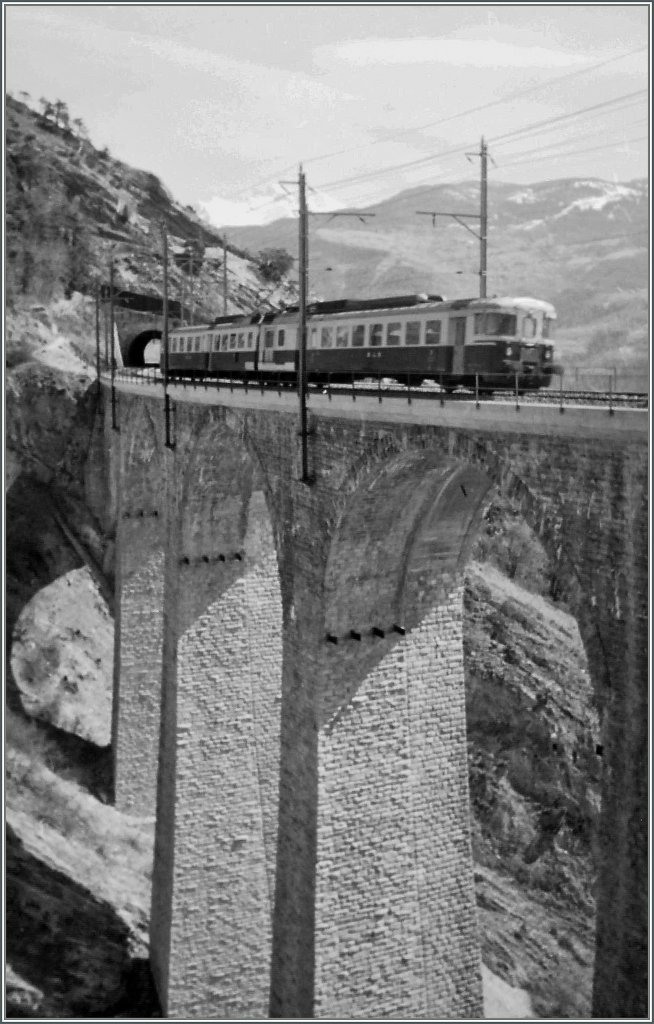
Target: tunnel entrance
pixel 144 349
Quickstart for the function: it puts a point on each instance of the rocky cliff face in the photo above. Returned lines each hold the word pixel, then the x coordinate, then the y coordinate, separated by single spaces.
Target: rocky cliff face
pixel 534 782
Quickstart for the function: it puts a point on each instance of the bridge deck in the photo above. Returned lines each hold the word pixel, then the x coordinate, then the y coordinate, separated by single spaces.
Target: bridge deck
pixel 498 414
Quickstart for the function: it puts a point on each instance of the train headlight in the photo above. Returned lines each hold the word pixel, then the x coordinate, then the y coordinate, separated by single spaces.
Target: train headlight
pixel 509 350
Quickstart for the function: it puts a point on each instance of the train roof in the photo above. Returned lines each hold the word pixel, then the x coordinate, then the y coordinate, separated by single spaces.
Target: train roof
pixel 344 307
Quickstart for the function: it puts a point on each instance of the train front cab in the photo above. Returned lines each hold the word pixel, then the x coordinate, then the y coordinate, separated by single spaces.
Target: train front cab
pixel 512 347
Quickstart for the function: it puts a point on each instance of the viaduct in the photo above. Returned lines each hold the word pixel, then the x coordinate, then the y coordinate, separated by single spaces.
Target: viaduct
pixel 289 689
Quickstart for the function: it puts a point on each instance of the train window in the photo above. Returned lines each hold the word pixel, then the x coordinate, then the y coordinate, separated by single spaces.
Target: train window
pixel 456 332
pixel 548 326
pixel 280 339
pixel 412 332
pixel 313 339
pixel 394 334
pixel 342 336
pixel 232 341
pixel 529 326
pixel 376 335
pixel 358 336
pixel 433 332
pixel 197 342
pixel 216 342
pixel 250 338
pixel 498 324
pixel 480 323
pixel 327 337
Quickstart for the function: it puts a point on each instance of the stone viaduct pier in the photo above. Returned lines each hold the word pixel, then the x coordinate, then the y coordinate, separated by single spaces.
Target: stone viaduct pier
pixel 289 688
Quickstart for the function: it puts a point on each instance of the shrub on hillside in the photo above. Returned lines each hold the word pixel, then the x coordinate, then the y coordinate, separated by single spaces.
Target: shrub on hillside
pixel 274 264
pixel 508 542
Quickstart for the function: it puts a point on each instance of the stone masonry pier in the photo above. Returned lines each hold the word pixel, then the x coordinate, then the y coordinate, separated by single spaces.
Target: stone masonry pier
pixel 290 695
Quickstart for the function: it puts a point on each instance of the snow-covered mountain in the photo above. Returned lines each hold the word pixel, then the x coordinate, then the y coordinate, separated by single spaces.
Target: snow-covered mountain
pixel 580 243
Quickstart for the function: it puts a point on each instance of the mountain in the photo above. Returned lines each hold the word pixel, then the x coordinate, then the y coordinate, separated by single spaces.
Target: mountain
pixel 581 244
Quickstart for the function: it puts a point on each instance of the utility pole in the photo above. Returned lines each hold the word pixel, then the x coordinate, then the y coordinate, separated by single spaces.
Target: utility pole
pixel 302 340
pixel 114 422
pixel 190 284
pixel 97 330
pixel 224 275
pixel 303 273
pixel 164 340
pixel 483 234
pixel 482 217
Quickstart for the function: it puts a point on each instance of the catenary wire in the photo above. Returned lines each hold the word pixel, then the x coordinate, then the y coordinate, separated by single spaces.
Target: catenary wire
pixel 516 94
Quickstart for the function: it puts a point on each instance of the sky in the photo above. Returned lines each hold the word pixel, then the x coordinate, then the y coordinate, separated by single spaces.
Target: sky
pixel 225 101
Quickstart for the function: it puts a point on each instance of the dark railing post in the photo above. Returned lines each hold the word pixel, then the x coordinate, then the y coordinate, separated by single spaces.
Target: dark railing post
pixel 354 394
pixel 517 393
pixel 442 389
pixel 408 385
pixel 476 391
pixel 329 386
pixel 379 392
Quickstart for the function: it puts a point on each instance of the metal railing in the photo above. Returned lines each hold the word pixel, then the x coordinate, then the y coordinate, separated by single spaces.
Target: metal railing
pixel 482 391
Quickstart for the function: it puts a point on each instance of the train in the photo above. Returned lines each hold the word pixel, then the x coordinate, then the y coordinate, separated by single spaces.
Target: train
pixel 491 343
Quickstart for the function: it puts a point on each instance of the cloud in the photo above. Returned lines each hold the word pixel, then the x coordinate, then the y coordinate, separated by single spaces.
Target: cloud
pixel 262 208
pixel 265 207
pixel 477 53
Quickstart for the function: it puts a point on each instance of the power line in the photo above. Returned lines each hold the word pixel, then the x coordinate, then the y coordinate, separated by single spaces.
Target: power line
pixel 588 129
pixel 567 117
pixel 516 94
pixel 365 176
pixel 574 152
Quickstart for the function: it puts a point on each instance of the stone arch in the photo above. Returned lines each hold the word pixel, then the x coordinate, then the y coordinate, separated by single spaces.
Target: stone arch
pixel 219 777
pixel 373 560
pixel 543 514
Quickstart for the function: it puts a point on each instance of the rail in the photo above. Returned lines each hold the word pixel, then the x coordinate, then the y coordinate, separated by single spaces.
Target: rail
pixel 385 388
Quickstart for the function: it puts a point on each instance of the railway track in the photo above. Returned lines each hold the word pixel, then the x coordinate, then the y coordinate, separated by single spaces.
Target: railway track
pixel 389 390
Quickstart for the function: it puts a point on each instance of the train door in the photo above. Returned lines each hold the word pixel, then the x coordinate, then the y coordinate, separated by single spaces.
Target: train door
pixel 267 352
pixel 457 338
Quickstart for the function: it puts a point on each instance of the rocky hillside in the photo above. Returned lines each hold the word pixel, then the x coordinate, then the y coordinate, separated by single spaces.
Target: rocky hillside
pixel 70 210
pixel 78 872
pixel 581 244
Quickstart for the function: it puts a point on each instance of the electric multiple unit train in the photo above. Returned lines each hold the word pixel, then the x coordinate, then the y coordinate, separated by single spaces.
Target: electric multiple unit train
pixel 493 343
